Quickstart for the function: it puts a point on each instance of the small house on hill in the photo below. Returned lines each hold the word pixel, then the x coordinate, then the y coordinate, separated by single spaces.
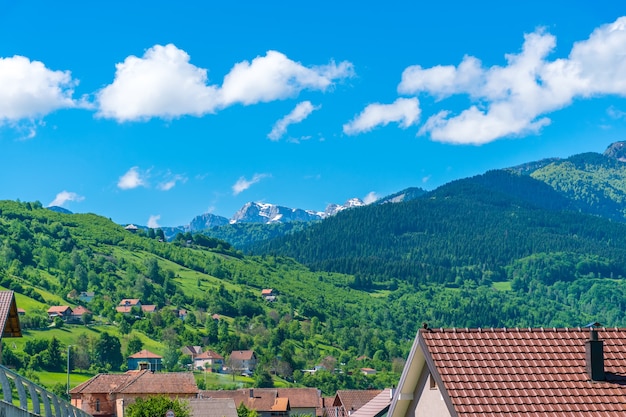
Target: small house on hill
pixel 77 314
pixel 243 361
pixel 209 360
pixel 268 294
pixel 65 312
pixel 514 372
pixel 145 360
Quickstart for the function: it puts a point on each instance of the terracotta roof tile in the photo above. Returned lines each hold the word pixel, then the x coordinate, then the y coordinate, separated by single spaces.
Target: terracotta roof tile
pixel 140 382
pixel 242 355
pixel 538 372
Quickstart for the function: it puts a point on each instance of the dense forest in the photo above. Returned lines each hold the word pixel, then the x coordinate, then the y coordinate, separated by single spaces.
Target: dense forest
pixel 480 229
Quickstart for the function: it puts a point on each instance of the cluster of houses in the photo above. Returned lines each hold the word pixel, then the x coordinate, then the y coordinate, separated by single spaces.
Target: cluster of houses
pixel 68 314
pixel 449 373
pixel 108 395
pixel 240 361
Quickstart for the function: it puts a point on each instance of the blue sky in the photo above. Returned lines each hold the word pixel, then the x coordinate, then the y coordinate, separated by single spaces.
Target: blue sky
pixel 154 112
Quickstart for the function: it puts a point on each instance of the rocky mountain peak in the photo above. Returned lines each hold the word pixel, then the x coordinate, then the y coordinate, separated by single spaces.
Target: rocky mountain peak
pixel 616 150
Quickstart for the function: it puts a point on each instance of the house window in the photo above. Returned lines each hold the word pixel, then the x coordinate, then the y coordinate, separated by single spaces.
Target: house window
pixel 97 404
pixel 431 380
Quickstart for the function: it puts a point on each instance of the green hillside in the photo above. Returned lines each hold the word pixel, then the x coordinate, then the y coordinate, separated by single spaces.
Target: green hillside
pixel 49 258
pixel 595 182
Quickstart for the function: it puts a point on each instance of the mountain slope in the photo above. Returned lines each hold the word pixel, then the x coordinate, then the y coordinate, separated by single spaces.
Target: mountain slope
pixel 596 183
pixel 476 227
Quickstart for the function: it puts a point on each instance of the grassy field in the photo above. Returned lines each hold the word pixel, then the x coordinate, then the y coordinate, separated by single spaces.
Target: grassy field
pixel 502 285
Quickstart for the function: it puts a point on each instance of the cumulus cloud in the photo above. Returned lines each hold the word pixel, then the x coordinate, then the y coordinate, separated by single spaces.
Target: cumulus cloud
pixel 65 196
pixel 163 83
pixel 132 179
pixel 243 184
pixel 371 197
pixel 298 114
pixel 30 90
pixel 171 182
pixel 404 111
pixel 153 221
pixel 513 100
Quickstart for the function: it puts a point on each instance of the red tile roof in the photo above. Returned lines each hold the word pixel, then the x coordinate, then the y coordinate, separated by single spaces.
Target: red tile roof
pixel 139 382
pixel 531 372
pixel 145 354
pixel 58 309
pixel 242 355
pixel 209 354
pixel 80 310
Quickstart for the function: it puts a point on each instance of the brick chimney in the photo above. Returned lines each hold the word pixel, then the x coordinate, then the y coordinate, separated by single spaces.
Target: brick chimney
pixel 594 354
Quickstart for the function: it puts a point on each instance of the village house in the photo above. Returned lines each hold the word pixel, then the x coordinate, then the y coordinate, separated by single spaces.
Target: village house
pixel 515 372
pixel 347 402
pixel 77 314
pixel 126 306
pixel 209 360
pixel 65 312
pixel 264 401
pixel 108 395
pixel 268 294
pixel 243 361
pixel 86 296
pixel 192 351
pixel 145 360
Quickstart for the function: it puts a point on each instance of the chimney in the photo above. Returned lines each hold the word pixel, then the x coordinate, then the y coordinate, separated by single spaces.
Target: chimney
pixel 251 393
pixel 594 354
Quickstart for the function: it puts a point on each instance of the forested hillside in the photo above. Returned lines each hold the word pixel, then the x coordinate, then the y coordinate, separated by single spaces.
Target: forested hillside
pixel 595 182
pixel 478 229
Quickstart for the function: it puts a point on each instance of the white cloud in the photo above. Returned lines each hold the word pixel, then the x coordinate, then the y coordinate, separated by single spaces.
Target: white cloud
pixel 29 90
pixel 132 179
pixel 404 111
pixel 65 196
pixel 171 182
pixel 274 76
pixel 513 100
pixel 163 83
pixel 243 184
pixel 153 221
pixel 298 114
pixel 160 84
pixel 371 197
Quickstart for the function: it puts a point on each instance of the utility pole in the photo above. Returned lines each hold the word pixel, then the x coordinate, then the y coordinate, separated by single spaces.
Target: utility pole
pixel 68 370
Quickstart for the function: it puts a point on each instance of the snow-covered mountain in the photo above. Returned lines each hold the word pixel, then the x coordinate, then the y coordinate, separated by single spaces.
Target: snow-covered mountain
pixel 271 213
